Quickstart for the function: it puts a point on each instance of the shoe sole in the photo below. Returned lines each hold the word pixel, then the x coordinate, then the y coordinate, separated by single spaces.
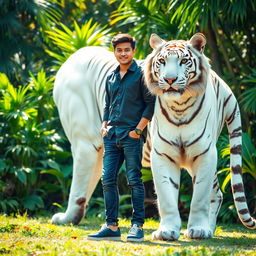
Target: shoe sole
pixel 104 238
pixel 135 239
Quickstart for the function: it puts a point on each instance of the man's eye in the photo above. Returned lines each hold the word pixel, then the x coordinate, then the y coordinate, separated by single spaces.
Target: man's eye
pixel 162 61
pixel 183 61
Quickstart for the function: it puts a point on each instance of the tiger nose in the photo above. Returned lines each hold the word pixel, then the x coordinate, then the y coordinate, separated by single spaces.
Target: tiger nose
pixel 170 80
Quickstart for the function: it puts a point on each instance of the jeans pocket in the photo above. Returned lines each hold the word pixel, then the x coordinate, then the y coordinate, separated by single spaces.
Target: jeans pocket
pixel 133 138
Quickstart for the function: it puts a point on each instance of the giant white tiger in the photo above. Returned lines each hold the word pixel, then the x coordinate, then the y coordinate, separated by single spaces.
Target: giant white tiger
pixel 192 105
pixel 79 93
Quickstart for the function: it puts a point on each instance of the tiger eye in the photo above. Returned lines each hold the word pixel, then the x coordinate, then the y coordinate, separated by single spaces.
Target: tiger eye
pixel 183 61
pixel 162 61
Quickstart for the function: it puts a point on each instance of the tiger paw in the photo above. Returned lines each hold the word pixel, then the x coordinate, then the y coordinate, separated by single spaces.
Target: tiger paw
pixel 59 218
pixel 199 233
pixel 64 218
pixel 165 234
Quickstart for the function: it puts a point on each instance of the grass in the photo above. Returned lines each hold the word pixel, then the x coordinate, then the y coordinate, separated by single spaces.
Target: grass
pixel 26 236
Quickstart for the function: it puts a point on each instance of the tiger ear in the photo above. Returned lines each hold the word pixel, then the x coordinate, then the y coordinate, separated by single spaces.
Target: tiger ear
pixel 155 41
pixel 198 41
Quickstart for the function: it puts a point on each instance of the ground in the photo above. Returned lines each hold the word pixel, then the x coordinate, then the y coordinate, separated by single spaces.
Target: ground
pixel 22 235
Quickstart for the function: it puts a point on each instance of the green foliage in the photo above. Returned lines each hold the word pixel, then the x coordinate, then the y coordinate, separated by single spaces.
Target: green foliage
pixel 248 97
pixel 249 159
pixel 146 174
pixel 28 138
pixel 68 41
pixel 22 25
pixel 228 210
pixel 189 13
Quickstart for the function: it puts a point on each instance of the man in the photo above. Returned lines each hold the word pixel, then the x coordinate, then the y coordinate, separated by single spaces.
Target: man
pixel 128 109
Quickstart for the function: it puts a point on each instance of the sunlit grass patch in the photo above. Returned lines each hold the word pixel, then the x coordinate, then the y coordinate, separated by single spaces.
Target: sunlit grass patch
pixel 26 236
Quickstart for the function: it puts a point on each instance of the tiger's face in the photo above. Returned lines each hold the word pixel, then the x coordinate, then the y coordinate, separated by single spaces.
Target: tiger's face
pixel 177 67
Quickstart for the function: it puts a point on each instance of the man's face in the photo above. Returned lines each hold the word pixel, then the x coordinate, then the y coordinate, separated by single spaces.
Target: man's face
pixel 124 53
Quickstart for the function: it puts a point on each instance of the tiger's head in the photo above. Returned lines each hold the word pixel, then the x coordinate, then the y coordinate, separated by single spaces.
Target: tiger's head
pixel 177 67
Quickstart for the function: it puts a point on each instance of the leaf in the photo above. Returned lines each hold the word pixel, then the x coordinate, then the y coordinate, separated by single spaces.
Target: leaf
pixel 122 198
pixel 53 165
pixel 32 202
pixel 146 175
pixel 225 182
pixel 67 170
pixel 53 172
pixel 21 175
pixel 58 205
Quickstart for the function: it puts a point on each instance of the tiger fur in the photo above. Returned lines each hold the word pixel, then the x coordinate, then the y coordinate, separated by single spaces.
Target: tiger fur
pixel 192 105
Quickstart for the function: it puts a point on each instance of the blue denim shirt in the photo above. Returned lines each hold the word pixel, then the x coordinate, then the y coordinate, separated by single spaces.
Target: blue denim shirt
pixel 127 101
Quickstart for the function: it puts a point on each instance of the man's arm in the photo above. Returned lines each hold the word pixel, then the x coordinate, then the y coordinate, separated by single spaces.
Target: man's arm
pixel 148 112
pixel 140 126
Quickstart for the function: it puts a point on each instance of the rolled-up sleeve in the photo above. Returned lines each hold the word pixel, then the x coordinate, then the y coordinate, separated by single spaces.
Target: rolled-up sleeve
pixel 107 103
pixel 149 100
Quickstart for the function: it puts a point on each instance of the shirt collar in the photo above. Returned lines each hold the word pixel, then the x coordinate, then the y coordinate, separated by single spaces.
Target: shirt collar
pixel 131 68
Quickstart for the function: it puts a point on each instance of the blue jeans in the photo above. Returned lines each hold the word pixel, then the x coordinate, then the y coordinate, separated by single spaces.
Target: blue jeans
pixel 115 152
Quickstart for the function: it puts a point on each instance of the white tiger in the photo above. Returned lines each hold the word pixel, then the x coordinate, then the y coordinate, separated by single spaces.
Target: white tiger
pixel 79 93
pixel 191 107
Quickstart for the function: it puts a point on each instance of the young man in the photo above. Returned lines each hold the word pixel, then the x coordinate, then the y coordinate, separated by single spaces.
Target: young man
pixel 128 109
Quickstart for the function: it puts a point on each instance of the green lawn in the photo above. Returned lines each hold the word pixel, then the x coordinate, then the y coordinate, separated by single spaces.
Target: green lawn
pixel 25 236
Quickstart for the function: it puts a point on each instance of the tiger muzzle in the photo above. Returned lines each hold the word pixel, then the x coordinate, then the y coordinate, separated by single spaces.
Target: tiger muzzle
pixel 170 80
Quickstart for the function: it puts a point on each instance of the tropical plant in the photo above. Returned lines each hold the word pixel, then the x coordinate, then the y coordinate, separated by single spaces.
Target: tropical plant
pixel 228 210
pixel 28 140
pixel 68 41
pixel 20 41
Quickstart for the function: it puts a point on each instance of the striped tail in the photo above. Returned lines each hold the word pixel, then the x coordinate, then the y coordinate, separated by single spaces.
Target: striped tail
pixel 235 136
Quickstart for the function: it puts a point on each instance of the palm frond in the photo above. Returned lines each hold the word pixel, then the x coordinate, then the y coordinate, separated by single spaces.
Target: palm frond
pixel 68 41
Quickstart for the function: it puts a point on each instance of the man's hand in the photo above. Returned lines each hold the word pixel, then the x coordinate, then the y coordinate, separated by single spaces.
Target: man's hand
pixel 104 130
pixel 134 135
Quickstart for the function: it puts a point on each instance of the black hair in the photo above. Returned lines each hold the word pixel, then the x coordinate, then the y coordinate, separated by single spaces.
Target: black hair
pixel 123 38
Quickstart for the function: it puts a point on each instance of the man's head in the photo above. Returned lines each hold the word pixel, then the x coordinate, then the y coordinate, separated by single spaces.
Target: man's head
pixel 124 48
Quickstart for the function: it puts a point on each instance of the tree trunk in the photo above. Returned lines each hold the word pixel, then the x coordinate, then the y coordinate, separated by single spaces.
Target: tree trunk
pixel 215 54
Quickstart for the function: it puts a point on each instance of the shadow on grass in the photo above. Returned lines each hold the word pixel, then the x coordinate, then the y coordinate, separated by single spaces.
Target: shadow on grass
pixel 218 241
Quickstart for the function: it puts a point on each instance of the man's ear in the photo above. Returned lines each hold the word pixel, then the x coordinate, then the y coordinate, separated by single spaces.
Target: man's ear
pixel 155 41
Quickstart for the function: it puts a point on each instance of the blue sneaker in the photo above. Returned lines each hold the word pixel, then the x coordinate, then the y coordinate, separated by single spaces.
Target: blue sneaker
pixel 135 234
pixel 105 233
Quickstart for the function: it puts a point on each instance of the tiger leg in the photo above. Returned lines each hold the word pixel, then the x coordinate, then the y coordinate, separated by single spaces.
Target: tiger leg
pixel 198 223
pixel 166 177
pixel 85 158
pixel 216 201
pixel 87 151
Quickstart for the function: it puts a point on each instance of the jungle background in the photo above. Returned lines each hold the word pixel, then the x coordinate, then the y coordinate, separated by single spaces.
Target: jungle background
pixel 37 36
